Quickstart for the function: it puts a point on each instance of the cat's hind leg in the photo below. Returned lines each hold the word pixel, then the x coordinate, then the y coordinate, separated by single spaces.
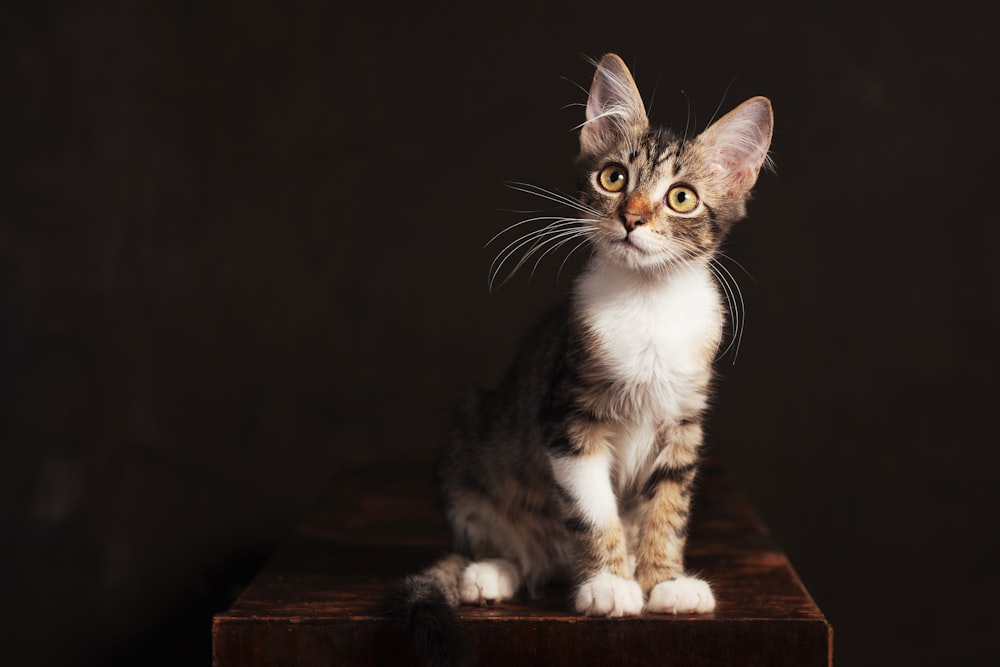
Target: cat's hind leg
pixel 489 581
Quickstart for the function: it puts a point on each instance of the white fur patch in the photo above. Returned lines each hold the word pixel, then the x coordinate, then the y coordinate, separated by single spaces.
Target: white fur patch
pixel 488 581
pixel 607 594
pixel 587 479
pixel 653 335
pixel 653 339
pixel 683 595
pixel 633 446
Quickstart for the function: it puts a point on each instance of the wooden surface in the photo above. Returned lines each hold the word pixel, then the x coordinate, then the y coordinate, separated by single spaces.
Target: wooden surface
pixel 318 601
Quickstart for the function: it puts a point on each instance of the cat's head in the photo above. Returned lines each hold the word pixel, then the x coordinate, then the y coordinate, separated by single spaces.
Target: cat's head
pixel 664 200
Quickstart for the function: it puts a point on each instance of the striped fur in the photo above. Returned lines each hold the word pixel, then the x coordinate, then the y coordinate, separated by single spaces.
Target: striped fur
pixel 580 466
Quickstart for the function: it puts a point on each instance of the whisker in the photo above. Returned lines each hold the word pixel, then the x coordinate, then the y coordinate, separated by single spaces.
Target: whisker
pixel 554 237
pixel 537 243
pixel 722 101
pixel 524 222
pixel 555 225
pixel 551 195
pixel 534 237
pixel 742 268
pixel 730 306
pixel 528 210
pixel 565 237
pixel 583 89
pixel 579 245
pixel 687 121
pixel 728 284
pixel 739 310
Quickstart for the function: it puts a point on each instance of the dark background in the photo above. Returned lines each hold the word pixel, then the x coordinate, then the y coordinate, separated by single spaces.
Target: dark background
pixel 242 245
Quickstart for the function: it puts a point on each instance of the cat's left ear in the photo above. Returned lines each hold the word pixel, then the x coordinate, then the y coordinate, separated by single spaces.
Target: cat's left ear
pixel 737 144
pixel 615 111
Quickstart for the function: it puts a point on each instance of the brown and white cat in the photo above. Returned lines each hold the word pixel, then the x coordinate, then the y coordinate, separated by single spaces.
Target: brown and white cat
pixel 579 466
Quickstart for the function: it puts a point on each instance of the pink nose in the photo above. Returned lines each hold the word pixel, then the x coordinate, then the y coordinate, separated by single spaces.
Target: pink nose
pixel 632 220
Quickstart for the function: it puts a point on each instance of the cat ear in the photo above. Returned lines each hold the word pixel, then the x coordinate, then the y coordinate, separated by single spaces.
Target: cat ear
pixel 614 109
pixel 737 143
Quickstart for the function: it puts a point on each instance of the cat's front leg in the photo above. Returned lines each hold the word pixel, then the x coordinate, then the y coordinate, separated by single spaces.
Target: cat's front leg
pixel 606 586
pixel 667 502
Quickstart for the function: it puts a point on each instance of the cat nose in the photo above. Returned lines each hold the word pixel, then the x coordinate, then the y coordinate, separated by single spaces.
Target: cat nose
pixel 632 220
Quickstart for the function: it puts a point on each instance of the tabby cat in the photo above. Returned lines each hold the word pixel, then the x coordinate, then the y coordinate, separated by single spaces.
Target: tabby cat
pixel 579 466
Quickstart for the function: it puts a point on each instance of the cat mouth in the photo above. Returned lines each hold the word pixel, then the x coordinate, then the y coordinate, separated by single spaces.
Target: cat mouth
pixel 626 244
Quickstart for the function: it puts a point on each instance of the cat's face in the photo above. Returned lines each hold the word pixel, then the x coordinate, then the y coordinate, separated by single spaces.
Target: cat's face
pixel 662 201
pixel 656 207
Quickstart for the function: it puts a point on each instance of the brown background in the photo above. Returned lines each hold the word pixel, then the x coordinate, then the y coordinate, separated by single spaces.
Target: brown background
pixel 242 244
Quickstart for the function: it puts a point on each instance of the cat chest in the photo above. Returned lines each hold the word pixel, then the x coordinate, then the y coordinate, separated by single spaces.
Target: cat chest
pixel 655 349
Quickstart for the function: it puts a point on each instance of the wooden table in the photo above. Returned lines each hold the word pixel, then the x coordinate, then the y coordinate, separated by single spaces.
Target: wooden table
pixel 319 599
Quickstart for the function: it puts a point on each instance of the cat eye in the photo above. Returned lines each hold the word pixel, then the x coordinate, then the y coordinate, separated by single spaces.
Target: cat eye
pixel 613 178
pixel 682 199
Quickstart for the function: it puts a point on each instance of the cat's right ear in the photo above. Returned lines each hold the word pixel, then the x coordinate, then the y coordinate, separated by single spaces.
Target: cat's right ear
pixel 614 109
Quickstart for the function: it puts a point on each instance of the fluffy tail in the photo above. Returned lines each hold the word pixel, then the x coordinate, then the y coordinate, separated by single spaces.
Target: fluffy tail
pixel 425 605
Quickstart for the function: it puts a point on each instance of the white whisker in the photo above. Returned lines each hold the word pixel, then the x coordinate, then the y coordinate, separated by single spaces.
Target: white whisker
pixel 722 101
pixel 738 314
pixel 541 241
pixel 735 305
pixel 524 222
pixel 687 121
pixel 730 306
pixel 551 195
pixel 564 238
pixel 558 238
pixel 742 268
pixel 533 239
pixel 579 245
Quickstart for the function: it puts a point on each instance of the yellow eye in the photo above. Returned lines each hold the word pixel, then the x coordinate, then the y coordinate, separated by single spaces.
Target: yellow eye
pixel 613 178
pixel 682 199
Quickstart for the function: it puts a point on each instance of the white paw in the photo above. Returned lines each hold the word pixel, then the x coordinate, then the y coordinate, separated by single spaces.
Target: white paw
pixel 609 595
pixel 489 581
pixel 683 595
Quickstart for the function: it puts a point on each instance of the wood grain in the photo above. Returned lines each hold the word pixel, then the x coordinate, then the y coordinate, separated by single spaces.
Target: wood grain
pixel 319 599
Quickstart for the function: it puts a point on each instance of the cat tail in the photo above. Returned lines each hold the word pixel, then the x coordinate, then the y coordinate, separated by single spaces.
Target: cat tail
pixel 424 604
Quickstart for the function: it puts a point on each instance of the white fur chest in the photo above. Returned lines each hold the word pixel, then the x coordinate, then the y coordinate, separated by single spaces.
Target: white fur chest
pixel 655 344
pixel 655 341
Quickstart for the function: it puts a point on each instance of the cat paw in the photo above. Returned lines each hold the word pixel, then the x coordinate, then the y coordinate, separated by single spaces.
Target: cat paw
pixel 489 581
pixel 607 594
pixel 683 595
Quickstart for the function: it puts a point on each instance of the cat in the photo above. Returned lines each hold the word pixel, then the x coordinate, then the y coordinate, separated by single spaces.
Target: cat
pixel 579 466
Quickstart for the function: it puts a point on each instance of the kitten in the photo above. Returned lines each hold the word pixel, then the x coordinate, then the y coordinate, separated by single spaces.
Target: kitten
pixel 580 465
